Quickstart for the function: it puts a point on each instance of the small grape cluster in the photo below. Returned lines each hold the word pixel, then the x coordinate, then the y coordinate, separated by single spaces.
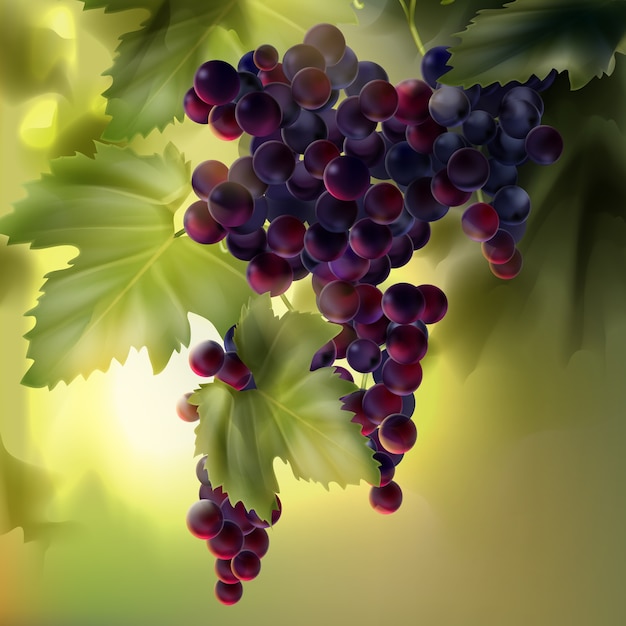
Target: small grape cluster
pixel 237 537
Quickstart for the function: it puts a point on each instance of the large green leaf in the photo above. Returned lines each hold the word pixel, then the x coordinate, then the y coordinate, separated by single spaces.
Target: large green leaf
pixel 155 65
pixel 294 414
pixel 527 37
pixel 133 282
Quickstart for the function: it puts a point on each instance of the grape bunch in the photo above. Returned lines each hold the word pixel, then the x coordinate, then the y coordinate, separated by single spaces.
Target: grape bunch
pixel 235 536
pixel 340 177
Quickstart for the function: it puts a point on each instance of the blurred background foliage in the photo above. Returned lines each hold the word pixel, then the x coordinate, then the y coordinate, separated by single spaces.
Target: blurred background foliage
pixel 514 501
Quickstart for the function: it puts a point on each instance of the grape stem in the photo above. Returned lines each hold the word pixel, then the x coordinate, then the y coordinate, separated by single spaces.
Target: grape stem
pixel 288 304
pixel 364 381
pixel 179 233
pixel 479 195
pixel 409 12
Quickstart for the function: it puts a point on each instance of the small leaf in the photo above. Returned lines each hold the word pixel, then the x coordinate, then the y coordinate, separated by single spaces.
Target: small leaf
pixel 294 414
pixel 155 65
pixel 527 37
pixel 133 282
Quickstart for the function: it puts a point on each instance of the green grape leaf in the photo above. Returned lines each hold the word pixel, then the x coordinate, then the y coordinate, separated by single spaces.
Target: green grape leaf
pixel 293 414
pixel 527 37
pixel 133 282
pixel 155 65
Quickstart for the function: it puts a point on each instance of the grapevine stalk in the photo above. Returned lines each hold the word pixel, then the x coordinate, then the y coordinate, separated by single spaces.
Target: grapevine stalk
pixel 409 12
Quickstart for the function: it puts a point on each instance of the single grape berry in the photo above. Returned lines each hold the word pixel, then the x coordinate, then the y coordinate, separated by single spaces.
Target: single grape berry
pixel 228 594
pixel 186 411
pixel 207 358
pixel 386 499
pixel 205 519
pixel 397 433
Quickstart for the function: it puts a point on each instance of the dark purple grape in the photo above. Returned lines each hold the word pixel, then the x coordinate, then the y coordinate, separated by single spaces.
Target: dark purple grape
pixel 435 304
pixel 269 272
pixel 354 403
pixel 351 121
pixel 378 100
pixel 254 143
pixel 276 512
pixel 206 358
pixel 480 221
pixel 468 169
pixel 343 373
pixel 223 122
pixel 234 372
pixel 544 145
pixel 230 204
pixel 186 411
pixel 228 542
pixel 206 176
pixel 371 149
pixel 406 344
pixel 343 340
pixel 397 433
pixel 387 499
pixel 422 137
pixel 216 82
pixel 517 231
pixel 309 127
pixel 339 301
pixel 200 225
pixel 273 162
pixel 506 149
pixel 343 73
pixel 500 248
pixel 518 117
pixel 205 519
pixel 257 541
pixel 434 64
pixel 302 56
pixel 367 71
pixel 324 245
pixel 447 144
pixel 510 269
pixel 403 303
pixel 303 186
pixel 241 171
pixel 310 88
pixel 328 39
pixel 246 63
pixel 248 83
pixel 394 130
pixel 363 355
pixel 383 203
pixel 445 192
pixel 378 272
pixel 318 155
pixel 285 236
pixel 201 472
pixel 224 572
pixel 404 164
pixel 195 108
pixel 499 176
pixel 420 202
pixel 265 57
pixel 419 233
pixel 346 178
pixel 370 309
pixel 336 216
pixel 512 204
pixel 280 201
pixel 324 357
pixel 449 106
pixel 413 101
pixel 369 239
pixel 289 108
pixel 246 565
pixel 273 76
pixel 258 114
pixel 228 594
pixel 214 495
pixel 387 469
pixel 237 514
pixel 401 251
pixel 479 128
pixel 379 402
pixel 259 215
pixel 349 266
pixel 525 93
pixel 408 405
pixel 246 246
pixel 376 331
pixel 321 277
pixel 403 224
pixel 401 378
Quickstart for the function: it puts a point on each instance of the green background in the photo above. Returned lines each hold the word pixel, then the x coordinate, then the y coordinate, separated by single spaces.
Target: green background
pixel 514 509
